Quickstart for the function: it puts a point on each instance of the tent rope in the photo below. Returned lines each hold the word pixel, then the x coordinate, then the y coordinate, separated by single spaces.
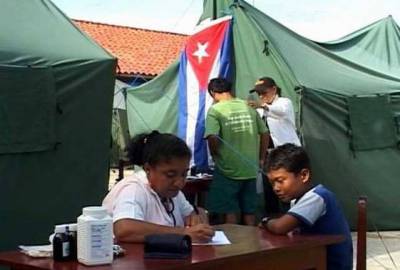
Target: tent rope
pixel 183 15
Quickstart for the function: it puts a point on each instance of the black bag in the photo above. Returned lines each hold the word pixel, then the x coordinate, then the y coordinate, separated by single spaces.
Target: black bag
pixel 167 246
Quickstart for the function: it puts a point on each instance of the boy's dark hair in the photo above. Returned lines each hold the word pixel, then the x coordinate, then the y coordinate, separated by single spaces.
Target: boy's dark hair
pixel 155 147
pixel 290 157
pixel 219 85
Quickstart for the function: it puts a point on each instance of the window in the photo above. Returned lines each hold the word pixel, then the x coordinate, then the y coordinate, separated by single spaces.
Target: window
pixel 371 121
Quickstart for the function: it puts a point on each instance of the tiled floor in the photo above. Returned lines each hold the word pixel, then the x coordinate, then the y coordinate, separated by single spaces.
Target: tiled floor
pixel 378 257
pixel 381 252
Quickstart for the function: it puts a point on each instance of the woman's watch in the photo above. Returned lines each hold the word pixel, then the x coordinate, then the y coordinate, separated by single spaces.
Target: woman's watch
pixel 265 220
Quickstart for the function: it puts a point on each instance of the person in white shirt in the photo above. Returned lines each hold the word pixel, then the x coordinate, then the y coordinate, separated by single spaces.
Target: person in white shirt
pixel 151 201
pixel 279 115
pixel 278 112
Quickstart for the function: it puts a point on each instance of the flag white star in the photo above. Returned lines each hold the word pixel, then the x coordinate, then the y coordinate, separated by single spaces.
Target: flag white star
pixel 201 51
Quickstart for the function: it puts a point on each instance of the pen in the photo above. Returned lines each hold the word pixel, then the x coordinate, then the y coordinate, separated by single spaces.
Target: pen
pixel 196 210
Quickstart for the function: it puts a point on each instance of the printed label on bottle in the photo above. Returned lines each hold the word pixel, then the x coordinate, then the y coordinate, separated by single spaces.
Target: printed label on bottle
pixel 100 241
pixel 65 249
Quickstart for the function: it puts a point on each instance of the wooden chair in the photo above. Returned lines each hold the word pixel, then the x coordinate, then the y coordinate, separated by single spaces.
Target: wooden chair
pixel 362 234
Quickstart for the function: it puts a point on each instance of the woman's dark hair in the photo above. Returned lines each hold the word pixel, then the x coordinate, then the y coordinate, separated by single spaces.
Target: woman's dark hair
pixel 155 147
pixel 269 82
pixel 290 157
pixel 219 85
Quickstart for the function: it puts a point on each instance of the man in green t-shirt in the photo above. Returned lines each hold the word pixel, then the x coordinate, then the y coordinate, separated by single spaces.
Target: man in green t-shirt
pixel 238 140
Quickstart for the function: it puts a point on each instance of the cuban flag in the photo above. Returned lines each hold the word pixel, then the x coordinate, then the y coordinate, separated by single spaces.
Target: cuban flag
pixel 206 55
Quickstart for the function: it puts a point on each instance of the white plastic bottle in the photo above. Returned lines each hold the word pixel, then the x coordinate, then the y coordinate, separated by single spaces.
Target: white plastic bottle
pixel 95 237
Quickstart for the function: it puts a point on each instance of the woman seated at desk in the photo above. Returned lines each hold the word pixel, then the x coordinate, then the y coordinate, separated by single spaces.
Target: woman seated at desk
pixel 151 201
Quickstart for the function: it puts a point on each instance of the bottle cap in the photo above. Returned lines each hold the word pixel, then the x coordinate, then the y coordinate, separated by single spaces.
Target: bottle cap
pixel 95 211
pixel 60 228
pixel 72 227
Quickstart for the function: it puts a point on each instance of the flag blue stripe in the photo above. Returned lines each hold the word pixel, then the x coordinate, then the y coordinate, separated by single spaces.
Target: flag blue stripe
pixel 182 92
pixel 200 145
pixel 226 65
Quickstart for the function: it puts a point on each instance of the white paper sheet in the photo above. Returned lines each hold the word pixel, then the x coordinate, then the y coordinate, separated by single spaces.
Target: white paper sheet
pixel 218 239
pixel 37 251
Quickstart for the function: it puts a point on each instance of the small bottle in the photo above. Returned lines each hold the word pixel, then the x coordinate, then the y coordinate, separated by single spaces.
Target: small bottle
pixel 61 244
pixel 95 238
pixel 72 237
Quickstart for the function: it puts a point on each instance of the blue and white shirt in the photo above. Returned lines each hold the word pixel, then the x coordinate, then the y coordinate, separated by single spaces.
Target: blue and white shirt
pixel 319 213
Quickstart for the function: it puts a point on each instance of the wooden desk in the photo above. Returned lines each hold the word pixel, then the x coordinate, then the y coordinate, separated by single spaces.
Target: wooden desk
pixel 251 248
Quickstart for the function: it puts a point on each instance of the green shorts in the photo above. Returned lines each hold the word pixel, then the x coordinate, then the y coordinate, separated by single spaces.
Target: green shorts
pixel 227 195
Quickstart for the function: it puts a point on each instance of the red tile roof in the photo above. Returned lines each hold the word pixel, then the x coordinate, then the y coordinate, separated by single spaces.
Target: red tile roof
pixel 139 51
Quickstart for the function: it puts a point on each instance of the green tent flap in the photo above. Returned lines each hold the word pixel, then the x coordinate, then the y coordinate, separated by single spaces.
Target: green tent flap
pixel 376 46
pixel 55 121
pixel 46 31
pixel 372 123
pixel 27 109
pixel 374 173
pixel 153 105
pixel 256 56
pixel 316 67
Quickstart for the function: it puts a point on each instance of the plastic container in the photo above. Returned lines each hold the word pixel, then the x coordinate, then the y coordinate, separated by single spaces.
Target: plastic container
pixel 72 237
pixel 61 244
pixel 95 238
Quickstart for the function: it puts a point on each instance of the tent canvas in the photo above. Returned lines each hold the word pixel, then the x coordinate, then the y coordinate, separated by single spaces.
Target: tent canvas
pixel 56 88
pixel 345 108
pixel 376 46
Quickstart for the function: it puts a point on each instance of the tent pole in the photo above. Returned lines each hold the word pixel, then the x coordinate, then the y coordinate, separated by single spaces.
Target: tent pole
pixel 214 9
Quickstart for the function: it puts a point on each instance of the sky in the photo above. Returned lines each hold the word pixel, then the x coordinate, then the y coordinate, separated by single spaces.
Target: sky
pixel 320 20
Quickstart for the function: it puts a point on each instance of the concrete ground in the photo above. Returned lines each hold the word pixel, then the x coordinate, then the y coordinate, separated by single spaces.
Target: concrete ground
pixel 378 257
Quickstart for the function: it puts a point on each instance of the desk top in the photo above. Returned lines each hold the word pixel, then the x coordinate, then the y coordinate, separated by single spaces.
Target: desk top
pixel 246 241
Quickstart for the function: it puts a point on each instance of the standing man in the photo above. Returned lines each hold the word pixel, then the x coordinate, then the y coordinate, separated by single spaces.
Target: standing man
pixel 279 115
pixel 277 110
pixel 238 141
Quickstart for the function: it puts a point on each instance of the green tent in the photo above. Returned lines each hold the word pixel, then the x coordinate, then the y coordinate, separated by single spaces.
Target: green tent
pixel 376 46
pixel 348 112
pixel 56 92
